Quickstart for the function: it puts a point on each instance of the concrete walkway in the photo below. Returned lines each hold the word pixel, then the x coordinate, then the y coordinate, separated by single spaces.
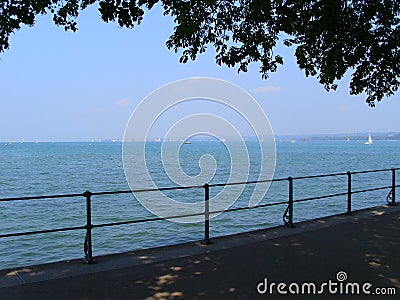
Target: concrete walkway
pixel 365 246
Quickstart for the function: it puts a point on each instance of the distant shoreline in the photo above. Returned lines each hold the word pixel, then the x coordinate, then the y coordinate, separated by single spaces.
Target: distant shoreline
pixel 393 136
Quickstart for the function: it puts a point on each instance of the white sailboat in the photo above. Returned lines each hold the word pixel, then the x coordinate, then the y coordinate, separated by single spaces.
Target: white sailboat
pixel 369 142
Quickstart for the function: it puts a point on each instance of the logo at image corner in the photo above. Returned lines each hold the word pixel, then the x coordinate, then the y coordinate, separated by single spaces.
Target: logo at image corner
pixel 339 286
pixel 195 109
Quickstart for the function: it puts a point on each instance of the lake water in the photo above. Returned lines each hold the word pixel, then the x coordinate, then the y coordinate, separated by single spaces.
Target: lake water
pixel 29 169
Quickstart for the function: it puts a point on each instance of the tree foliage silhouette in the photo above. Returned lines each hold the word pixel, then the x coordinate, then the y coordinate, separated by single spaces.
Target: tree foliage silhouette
pixel 330 37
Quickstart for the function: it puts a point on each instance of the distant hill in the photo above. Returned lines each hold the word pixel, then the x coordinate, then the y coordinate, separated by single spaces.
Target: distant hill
pixel 345 136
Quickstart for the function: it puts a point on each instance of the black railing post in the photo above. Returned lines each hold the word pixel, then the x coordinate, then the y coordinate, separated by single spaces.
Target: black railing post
pixel 206 240
pixel 393 203
pixel 290 219
pixel 87 248
pixel 349 193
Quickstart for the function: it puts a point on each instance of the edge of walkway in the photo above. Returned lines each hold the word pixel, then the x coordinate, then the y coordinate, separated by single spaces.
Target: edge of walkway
pixel 70 268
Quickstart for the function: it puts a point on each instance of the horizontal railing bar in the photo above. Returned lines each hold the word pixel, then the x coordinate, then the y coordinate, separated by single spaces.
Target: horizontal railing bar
pixel 319 176
pixel 373 189
pixel 343 173
pixel 171 188
pixel 299 178
pixel 247 182
pixel 321 197
pixel 248 207
pixel 41 197
pixel 111 193
pixel 146 220
pixel 148 190
pixel 185 216
pixel 42 231
pixel 374 171
pixel 126 222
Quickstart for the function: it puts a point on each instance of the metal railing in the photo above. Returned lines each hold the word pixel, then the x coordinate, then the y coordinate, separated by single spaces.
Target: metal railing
pixel 287 215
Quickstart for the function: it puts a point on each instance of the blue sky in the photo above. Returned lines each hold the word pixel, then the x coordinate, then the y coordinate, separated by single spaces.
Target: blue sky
pixel 64 86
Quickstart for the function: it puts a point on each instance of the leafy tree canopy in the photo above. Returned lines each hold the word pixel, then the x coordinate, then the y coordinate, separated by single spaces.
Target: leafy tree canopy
pixel 329 36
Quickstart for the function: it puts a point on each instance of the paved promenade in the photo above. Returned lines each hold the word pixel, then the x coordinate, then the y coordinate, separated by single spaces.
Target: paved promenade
pixel 365 246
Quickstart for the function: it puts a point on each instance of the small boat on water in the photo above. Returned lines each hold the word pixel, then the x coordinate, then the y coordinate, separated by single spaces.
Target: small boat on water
pixel 369 142
pixel 187 143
